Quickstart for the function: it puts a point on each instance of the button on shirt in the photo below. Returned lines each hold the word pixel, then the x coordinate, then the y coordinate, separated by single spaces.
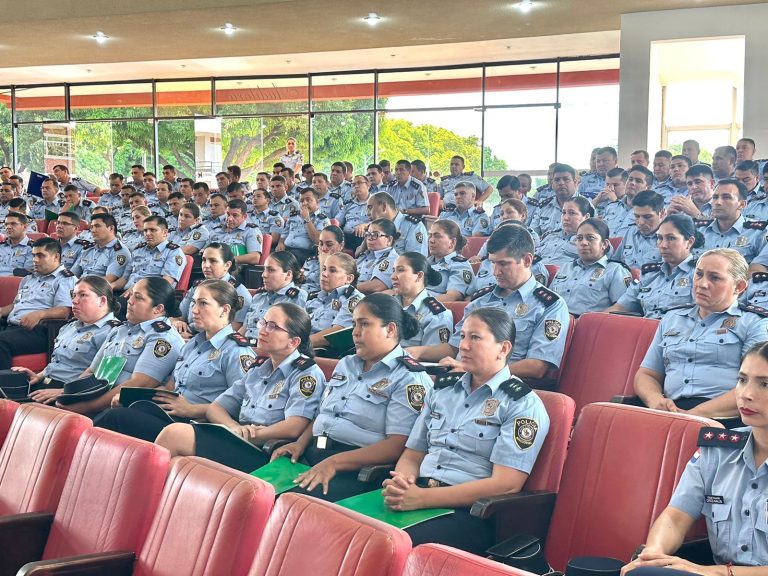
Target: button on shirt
pixel 660 288
pixel 296 230
pixel 38 293
pixel 456 274
pixel 207 368
pixel 268 221
pixel 701 357
pixel 411 194
pixel 737 527
pixel 113 258
pixel 332 308
pixel 741 237
pixel 242 292
pixel 377 264
pixel 352 215
pixel 413 234
pixel 263 299
pixel 71 251
pixel 165 259
pixel 541 329
pixel 558 248
pixel 362 408
pixel 75 348
pixel 636 249
pixel 268 395
pixel 246 234
pixel 197 236
pixel 465 432
pixel 14 256
pixel 435 327
pixel 147 350
pixel 448 183
pixel 591 287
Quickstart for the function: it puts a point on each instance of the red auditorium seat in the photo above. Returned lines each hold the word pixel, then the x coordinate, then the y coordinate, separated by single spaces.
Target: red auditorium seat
pixel 434 203
pixel 305 535
pixel 457 309
pixel 474 243
pixel 7 412
pixel 439 560
pixel 35 362
pixel 603 356
pixel 327 365
pixel 552 270
pixel 36 235
pixel 266 248
pixel 615 242
pixel 9 286
pixel 111 493
pixel 42 225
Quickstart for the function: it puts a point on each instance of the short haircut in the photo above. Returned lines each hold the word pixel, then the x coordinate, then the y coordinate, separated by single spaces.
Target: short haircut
pixel 235 170
pixel 700 170
pixel 61 167
pixel 159 220
pixel 17 203
pixel 376 167
pixel 743 192
pixel 192 208
pixel 558 167
pixel 749 166
pixel 320 175
pixel 340 165
pixel 644 153
pixel 238 205
pixel 278 165
pixel 48 244
pixel 201 186
pixel 116 176
pixel 683 158
pixel 277 178
pixel 698 148
pixel 72 216
pixel 150 175
pixel 128 187
pixel 169 167
pixel 234 187
pixel 663 154
pixel 419 165
pixel 139 166
pixel 614 172
pixel 514 239
pixel 645 172
pixel 108 220
pixel 729 151
pixel 189 181
pixel 608 150
pixel 748 141
pixel 218 196
pixel 225 174
pixel 649 199
pixel 290 172
pixel 19 216
pixel 510 181
pixel 17 178
pixel 170 186
pixel 309 190
pixel 384 199
pixel 384 164
pixel 176 196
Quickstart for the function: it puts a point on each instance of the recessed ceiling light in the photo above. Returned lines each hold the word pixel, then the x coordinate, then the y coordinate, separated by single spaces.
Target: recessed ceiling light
pixel 100 37
pixel 525 6
pixel 228 28
pixel 372 19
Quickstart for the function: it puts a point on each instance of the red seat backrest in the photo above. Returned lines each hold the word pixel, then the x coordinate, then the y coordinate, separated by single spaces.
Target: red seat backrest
pixel 604 356
pixel 552 270
pixel 622 466
pixel 36 236
pixel 457 309
pixel 615 242
pixel 434 203
pixel 266 248
pixel 209 521
pixel 327 365
pixel 305 535
pixel 110 496
pixel 9 287
pixel 36 456
pixel 7 412
pixel 474 243
pixel 439 560
pixel 548 470
pixel 42 225
pixel 186 274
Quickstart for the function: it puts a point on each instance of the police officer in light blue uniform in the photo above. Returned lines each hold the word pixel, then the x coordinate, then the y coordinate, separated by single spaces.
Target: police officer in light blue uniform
pixel 377 265
pixel 409 194
pixel 16 249
pixel 661 286
pixel 435 320
pixel 355 212
pixel 157 256
pixel 197 236
pixel 111 259
pixel 280 201
pixel 333 308
pixel 746 237
pixel 245 234
pixel 757 291
pixel 456 274
pixel 636 249
pixel 263 299
pixel 295 233
pixel 412 234
pixel 472 221
pixel 457 174
pixel 484 276
pixel 242 292
pixel 591 287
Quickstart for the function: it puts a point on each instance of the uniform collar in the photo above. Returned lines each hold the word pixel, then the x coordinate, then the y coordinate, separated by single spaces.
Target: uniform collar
pixel 71 241
pixel 738 225
pixel 686 265
pixel 446 258
pixel 102 321
pixel 23 242
pixel 390 360
pixel 160 247
pixel 420 297
pixel 525 290
pixel 146 326
pixel 285 288
pixel 285 366
pixel 54 273
pixel 382 252
pixel 732 310
pixel 338 292
pixel 493 384
pixel 220 337
pixel 242 227
pixel 110 244
pixel 602 262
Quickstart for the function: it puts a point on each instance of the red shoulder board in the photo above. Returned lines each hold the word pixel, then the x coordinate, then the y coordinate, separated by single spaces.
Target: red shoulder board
pixel 434 305
pixel 303 362
pixel 759 277
pixel 173 246
pixel 722 438
pixel 411 364
pixel 117 246
pixel 459 258
pixel 242 340
pixel 67 274
pixel 756 224
pixel 754 309
pixel 160 326
pixel 259 360
pixel 650 267
pixel 547 297
pixel 114 323
pixel 292 292
pixel 703 222
pixel 482 292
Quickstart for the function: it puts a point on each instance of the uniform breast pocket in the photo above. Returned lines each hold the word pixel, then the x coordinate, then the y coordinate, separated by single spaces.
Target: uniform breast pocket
pixel 720 517
pixel 205 369
pixel 272 408
pixel 674 347
pixel 436 430
pixel 479 438
pixel 367 410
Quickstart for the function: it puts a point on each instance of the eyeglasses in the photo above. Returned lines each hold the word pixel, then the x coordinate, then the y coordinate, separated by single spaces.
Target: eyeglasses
pixel 376 235
pixel 269 326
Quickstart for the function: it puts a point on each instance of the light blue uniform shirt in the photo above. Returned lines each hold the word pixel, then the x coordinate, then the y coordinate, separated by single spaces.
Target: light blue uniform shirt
pixel 456 273
pixel 618 216
pixel 757 291
pixel 485 278
pixel 757 209
pixel 284 206
pixel 311 272
pixel 71 251
pixel 296 235
pixel 413 234
pixel 378 264
pixel 465 432
pixel 113 258
pixel 263 299
pixel 540 316
pixel 268 221
pixel 76 346
pixel 150 348
pixel 362 408
pixel 330 204
pixel 558 248
pixel 412 194
pixel 591 185
pixel 547 217
pixel 592 287
pixel 448 183
pixel 268 395
pixel 332 308
pixel 246 234
pixel 471 222
pixel 110 200
pixel 37 212
pixel 701 358
pixel 729 476
pixel 38 293
pixel 197 236
pixel 636 249
pixel 353 214
pixel 669 191
pixel 243 294
pixel 435 320
pixel 15 256
pixel 344 190
pixel 747 238
pixel 660 287
pixel 207 368
pixel 165 259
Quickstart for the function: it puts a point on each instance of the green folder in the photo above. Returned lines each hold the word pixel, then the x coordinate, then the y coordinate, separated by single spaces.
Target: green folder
pixel 281 473
pixel 50 215
pixel 238 249
pixel 372 504
pixel 109 368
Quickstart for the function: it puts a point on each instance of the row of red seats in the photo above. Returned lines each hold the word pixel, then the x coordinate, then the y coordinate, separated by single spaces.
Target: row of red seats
pixel 76 499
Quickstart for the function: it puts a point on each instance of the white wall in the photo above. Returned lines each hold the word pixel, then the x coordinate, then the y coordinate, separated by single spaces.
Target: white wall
pixel 637 33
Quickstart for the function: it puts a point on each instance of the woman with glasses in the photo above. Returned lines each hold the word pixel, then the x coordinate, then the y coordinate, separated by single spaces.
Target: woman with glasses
pixel 444 243
pixel 375 264
pixel 276 400
pixel 370 405
pixel 211 362
pixel 280 276
pixel 559 247
pixel 331 308
pixel 591 282
pixel 410 278
pixel 331 242
pixel 218 264
pixel 191 235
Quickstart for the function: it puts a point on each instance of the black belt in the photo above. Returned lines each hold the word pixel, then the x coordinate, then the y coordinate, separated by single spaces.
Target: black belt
pixel 424 482
pixel 323 442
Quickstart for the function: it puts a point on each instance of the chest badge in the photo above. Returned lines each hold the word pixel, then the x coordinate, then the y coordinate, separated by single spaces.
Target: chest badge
pixel 138 343
pixel 491 406
pixel 522 309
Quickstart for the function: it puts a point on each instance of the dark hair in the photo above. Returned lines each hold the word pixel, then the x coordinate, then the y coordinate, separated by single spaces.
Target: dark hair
pixel 175 196
pixel 453 231
pixel 170 187
pixel 404 163
pixel 224 293
pixel 419 165
pixel 498 322
pixel 108 220
pixel 101 287
pixel 129 187
pixel 340 165
pixel 683 158
pixel 742 189
pixel 169 167
pixel 700 170
pixel 159 220
pixel 564 168
pixel 235 170
pixel 224 174
pixel 663 154
pixel 72 216
pixel 388 309
pixel 644 153
pixel 19 216
pixel 150 175
pixel 759 349
pixel 277 179
pixel 290 171
pixel 320 175
pixel 234 187
pixel 749 166
pixel 17 178
pixel 508 180
pixel 116 176
pixel 747 140
pixel 238 204
pixel 386 226
pixel 310 190
pixel 201 186
pixel 192 208
pixel 189 181
pixel 729 151
pixel 649 199
pixel 418 263
pixel 337 232
pixel 613 172
pixel 513 239
pixel 226 255
pixel 48 244
pixel 384 164
pixel 161 292
pixel 687 228
pixel 72 188
pixel 645 172
pixel 585 206
pixel 384 198
pixel 17 202
pixel 288 263
pixel 599 225
pixel 608 150
pixel 348 263
pixel 298 325
pixel 139 166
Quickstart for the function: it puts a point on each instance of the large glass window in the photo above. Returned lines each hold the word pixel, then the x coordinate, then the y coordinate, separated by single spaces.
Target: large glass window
pixel 110 101
pixel 519 139
pixel 30 151
pixel 40 103
pixel 176 141
pixel 342 92
pixel 184 98
pixel 431 89
pixel 6 128
pixel 345 136
pixel 262 96
pixel 100 148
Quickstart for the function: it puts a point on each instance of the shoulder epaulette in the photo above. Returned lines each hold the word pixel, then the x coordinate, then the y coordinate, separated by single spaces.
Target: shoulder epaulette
pixel 117 246
pixel 82 242
pixel 412 218
pixel 260 290
pixel 411 364
pixel 447 379
pixel 335 195
pixel 760 311
pixel 321 215
pixel 546 296
pixel 234 281
pixel 311 258
pixel 434 305
pixel 622 264
pixel 173 246
pixel 349 291
pixel 259 360
pixel 542 187
pixel 87 202
pixel 699 223
pixel 468 173
pixel 515 388
pixel 312 295
pixel 479 210
pixel 650 267
pixel 273 213
pixel 533 202
pixel 482 292
pixel 142 245
pixel 679 307
pixel 546 201
pixel 430 180
pixel 722 438
pixel 450 207
pixel 161 326
pixel 242 340
pixel 756 224
pixel 251 225
pixel 415 184
pixel 758 277
pixel 459 258
pixel 292 292
pixel 114 323
pixel 303 362
pixel 67 274
pixel 536 259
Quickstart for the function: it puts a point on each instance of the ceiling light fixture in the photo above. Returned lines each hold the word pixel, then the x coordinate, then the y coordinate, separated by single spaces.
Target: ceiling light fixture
pixel 100 37
pixel 372 19
pixel 228 28
pixel 525 6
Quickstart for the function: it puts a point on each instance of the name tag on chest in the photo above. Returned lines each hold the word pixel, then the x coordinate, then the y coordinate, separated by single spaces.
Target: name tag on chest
pixel 710 499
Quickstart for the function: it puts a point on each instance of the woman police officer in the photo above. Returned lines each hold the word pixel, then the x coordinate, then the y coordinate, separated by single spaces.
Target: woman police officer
pixel 331 242
pixel 444 243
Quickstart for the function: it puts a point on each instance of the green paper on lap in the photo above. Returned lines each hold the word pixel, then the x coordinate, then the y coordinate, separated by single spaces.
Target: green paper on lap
pixel 372 504
pixel 238 249
pixel 281 473
pixel 110 368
